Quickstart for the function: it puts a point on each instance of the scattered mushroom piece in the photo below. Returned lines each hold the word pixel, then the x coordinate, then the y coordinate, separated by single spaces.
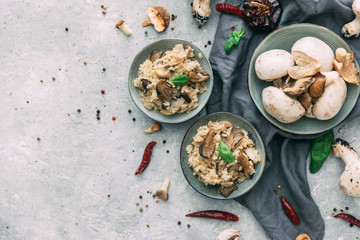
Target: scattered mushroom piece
pixel 316 49
pixel 352 29
pixel 207 148
pixel 317 88
pixel 162 192
pixel 159 17
pixel 229 234
pixel 282 107
pixel 201 11
pixel 306 65
pixel 164 91
pixel 350 179
pixel 226 191
pixel 303 236
pixel 300 86
pixel 273 64
pixel 198 76
pixel 153 128
pixel 155 55
pixel 234 137
pixel 245 164
pixel 344 65
pixel 163 72
pixel 123 27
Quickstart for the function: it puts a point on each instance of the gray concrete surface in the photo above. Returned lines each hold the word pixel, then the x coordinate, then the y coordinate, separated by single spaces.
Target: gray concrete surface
pixel 77 181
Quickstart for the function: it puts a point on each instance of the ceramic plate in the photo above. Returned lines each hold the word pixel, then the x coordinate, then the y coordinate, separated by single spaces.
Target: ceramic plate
pixel 211 191
pixel 284 38
pixel 163 45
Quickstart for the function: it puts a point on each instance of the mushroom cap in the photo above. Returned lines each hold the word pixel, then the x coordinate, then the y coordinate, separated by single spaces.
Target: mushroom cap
pixel 164 91
pixel 273 64
pixel 317 49
pixel 229 234
pixel 159 17
pixel 207 148
pixel 282 107
pixel 306 65
pixel 331 101
pixel 161 193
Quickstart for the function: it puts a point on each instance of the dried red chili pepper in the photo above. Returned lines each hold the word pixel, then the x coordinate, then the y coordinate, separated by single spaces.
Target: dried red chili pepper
pixel 289 211
pixel 146 158
pixel 215 214
pixel 229 9
pixel 347 217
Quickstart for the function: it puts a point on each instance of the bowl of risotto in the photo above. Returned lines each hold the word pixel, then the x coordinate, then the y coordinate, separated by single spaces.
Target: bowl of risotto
pixel 222 156
pixel 170 80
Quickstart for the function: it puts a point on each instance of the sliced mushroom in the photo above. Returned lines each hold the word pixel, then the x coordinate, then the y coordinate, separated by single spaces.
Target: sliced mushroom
pixel 164 91
pixel 159 17
pixel 186 97
pixel 245 164
pixel 144 84
pixel 306 65
pixel 175 61
pixel 207 148
pixel 226 191
pixel 301 85
pixel 163 72
pixel 234 137
pixel 344 65
pixel 198 76
pixel 201 11
pixel 220 169
pixel 155 55
pixel 318 86
pixel 288 82
pixel 306 100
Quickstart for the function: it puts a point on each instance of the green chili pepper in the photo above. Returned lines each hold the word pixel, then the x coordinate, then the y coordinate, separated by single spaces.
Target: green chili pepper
pixel 179 80
pixel 320 150
pixel 226 153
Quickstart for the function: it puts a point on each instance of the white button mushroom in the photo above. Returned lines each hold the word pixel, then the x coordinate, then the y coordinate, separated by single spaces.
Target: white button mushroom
pixel 282 107
pixel 350 179
pixel 273 64
pixel 331 101
pixel 317 49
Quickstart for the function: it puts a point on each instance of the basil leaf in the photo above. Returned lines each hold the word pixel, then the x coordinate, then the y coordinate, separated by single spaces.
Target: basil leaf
pixel 229 44
pixel 179 80
pixel 225 152
pixel 238 35
pixel 320 150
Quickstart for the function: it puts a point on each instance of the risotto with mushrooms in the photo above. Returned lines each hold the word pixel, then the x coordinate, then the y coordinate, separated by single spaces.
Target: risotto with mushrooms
pixel 170 81
pixel 222 154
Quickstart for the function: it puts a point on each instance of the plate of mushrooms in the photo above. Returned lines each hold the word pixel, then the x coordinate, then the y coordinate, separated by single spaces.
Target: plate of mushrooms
pixel 304 79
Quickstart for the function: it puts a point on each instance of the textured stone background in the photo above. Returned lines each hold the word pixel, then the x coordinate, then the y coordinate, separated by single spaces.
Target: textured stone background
pixel 57 188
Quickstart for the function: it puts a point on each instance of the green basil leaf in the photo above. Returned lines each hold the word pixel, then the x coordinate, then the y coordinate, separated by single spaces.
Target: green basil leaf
pixel 179 80
pixel 225 152
pixel 229 44
pixel 320 150
pixel 238 35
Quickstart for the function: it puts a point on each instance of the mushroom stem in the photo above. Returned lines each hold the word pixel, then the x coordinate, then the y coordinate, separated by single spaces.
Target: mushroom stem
pixel 123 27
pixel 162 192
pixel 201 11
pixel 153 128
pixel 352 29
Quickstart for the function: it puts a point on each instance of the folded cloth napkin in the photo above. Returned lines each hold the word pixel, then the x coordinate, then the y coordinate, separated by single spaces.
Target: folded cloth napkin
pixel 286 153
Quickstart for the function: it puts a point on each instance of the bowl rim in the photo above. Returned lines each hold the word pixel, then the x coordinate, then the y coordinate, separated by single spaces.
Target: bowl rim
pixel 193 112
pixel 274 123
pixel 262 146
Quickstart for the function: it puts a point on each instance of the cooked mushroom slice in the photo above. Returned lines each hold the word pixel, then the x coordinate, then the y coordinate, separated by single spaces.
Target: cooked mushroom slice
pixel 207 148
pixel 198 76
pixel 306 65
pixel 305 100
pixel 220 169
pixel 186 97
pixel 301 85
pixel 175 107
pixel 344 65
pixel 159 17
pixel 201 10
pixel 175 61
pixel 164 91
pixel 144 84
pixel 226 191
pixel 155 55
pixel 318 86
pixel 227 124
pixel 163 72
pixel 234 137
pixel 246 165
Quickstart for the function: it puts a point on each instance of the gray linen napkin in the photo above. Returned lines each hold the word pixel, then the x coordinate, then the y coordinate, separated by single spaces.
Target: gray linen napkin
pixel 286 153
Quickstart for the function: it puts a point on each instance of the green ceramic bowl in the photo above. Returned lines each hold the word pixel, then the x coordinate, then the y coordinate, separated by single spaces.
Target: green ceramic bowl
pixel 284 38
pixel 163 45
pixel 211 191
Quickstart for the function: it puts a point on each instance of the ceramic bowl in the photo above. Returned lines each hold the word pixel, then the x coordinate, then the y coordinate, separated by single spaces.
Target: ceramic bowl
pixel 211 191
pixel 284 38
pixel 163 45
